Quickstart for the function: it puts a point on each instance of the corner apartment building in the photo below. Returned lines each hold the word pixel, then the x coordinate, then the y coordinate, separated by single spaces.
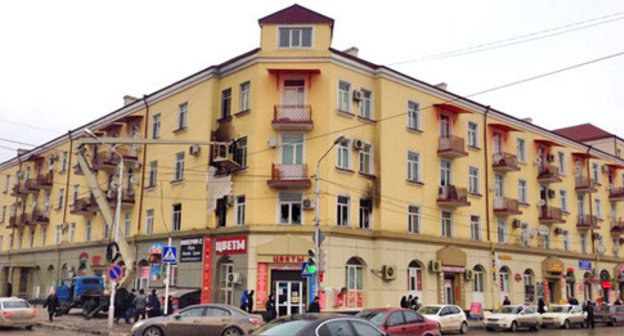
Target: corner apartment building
pixel 462 202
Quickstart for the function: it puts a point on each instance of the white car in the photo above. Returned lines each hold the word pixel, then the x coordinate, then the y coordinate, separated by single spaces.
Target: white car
pixel 16 312
pixel 450 317
pixel 564 316
pixel 512 318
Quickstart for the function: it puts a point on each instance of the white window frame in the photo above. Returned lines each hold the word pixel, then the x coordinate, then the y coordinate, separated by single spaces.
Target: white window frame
pixel 60 201
pixel 127 223
pixel 178 171
pixel 343 148
pixel 475 227
pixel 88 230
pixel 339 208
pixel 290 204
pixel 20 238
pixel 521 150
pixel 362 104
pixel 413 166
pixel 149 222
pixel 244 94
pixel 499 185
pixel 502 232
pixel 7 181
pixel 412 115
pixel 298 27
pixel 561 162
pixel 365 157
pixel 72 232
pixel 443 232
pixel 10 241
pixel 152 173
pixel 342 94
pixel 361 210
pixel 478 281
pixel 296 147
pixel 156 120
pixel 446 173
pixel 182 115
pixel 239 219
pixel 57 234
pixel 522 191
pixel 44 235
pixel 595 172
pixel 598 207
pixel 75 193
pixel 565 240
pixel 3 214
pixel 413 275
pixel 473 134
pixel 176 217
pixel 414 218
pixel 563 200
pixel 473 180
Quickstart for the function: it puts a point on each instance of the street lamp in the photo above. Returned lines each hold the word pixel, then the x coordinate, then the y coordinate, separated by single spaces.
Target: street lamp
pixel 111 306
pixel 317 229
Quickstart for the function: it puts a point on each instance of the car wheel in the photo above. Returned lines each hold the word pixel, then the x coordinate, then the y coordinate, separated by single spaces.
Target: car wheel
pixel 611 323
pixel 464 328
pixel 153 331
pixel 231 331
pixel 29 327
pixel 536 327
pixel 566 324
pixel 514 326
pixel 582 325
pixel 489 329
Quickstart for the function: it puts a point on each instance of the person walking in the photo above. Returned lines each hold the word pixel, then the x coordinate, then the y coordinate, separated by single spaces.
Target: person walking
pixel 140 302
pixel 506 301
pixel 243 301
pixel 271 312
pixel 589 309
pixel 250 301
pixel 153 305
pixel 52 303
pixel 314 306
pixel 414 305
pixel 541 306
pixel 573 301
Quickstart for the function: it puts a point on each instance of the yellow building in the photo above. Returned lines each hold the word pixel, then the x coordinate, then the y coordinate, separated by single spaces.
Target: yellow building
pixel 425 193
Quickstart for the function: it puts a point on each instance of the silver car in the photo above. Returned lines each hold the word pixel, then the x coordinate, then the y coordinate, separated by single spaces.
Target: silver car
pixel 16 312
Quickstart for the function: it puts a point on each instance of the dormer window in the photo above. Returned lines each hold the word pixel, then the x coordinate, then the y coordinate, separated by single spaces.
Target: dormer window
pixel 295 37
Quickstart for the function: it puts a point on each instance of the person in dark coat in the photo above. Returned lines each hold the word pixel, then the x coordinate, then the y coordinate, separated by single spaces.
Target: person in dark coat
pixel 573 301
pixel 589 309
pixel 414 304
pixel 506 302
pixel 404 302
pixel 271 312
pixel 314 306
pixel 617 302
pixel 52 303
pixel 541 306
pixel 153 305
pixel 123 303
pixel 243 301
pixel 250 301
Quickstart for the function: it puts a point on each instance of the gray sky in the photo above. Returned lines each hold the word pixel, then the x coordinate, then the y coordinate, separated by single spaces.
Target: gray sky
pixel 64 63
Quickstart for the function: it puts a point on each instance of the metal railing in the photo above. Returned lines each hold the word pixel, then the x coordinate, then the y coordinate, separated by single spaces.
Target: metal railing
pixel 616 192
pixel 286 172
pixel 452 193
pixel 450 143
pixel 550 213
pixel 292 114
pixel 505 160
pixel 506 204
pixel 583 182
pixel 587 221
pixel 548 172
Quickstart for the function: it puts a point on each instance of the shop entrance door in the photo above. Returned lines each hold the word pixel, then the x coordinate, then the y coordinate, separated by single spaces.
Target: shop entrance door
pixel 290 297
pixel 449 293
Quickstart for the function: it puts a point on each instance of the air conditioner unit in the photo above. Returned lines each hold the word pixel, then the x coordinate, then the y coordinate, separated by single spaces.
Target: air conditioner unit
pixel 516 223
pixel 388 272
pixel 308 203
pixel 133 179
pixel 550 158
pixel 357 95
pixel 358 144
pixel 194 149
pixel 435 266
pixel 551 193
pixel 558 230
pixel 230 200
pixel 469 275
pixel 538 160
pixel 235 278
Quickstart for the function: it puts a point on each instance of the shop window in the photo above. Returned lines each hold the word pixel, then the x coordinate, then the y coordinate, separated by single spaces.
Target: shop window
pixel 504 280
pixel 226 288
pixel 529 285
pixel 354 282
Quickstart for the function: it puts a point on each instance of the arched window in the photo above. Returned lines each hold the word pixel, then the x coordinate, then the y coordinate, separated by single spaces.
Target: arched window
pixel 50 277
pixel 414 277
pixel 478 280
pixel 142 281
pixel 587 286
pixel 226 287
pixel 528 278
pixel 354 283
pixel 504 280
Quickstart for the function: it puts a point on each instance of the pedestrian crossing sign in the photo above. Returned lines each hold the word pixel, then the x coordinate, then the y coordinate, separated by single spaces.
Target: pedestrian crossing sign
pixel 169 254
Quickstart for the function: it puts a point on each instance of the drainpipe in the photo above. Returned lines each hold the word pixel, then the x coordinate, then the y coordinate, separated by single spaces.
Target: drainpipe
pixel 65 205
pixel 591 208
pixel 143 164
pixel 487 178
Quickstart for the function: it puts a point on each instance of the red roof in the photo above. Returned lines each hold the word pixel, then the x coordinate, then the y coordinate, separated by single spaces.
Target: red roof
pixel 451 108
pixel 583 132
pixel 503 127
pixel 296 14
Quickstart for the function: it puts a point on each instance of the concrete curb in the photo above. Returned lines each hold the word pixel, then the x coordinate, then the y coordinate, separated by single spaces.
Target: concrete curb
pixel 80 330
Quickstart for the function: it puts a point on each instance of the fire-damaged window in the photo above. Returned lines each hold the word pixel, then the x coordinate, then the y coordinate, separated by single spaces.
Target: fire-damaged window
pixel 226 103
pixel 366 209
pixel 239 150
pixel 221 211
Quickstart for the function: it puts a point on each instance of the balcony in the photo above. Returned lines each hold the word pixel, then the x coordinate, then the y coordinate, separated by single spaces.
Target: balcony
pixel 127 198
pixel 12 222
pixel 105 160
pixel 548 174
pixel 289 176
pixel 23 220
pixel 19 190
pixel 84 206
pixel 44 181
pixel 617 227
pixel 585 185
pixel 451 147
pixel 292 118
pixel 587 222
pixel 31 185
pixel 505 162
pixel 550 215
pixel 452 196
pixel 616 194
pixel 40 216
pixel 506 206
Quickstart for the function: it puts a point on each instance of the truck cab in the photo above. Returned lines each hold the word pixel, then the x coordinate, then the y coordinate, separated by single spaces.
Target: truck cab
pixel 73 289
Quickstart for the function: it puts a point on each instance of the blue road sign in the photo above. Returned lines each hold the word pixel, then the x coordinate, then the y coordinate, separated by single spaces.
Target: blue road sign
pixel 170 254
pixel 114 272
pixel 304 270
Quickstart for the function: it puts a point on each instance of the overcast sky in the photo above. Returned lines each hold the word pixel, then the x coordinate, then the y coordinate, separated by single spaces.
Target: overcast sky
pixel 64 63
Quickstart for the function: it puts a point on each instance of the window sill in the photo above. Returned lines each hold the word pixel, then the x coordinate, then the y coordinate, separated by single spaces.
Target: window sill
pixel 180 130
pixel 477 195
pixel 367 175
pixel 176 182
pixel 242 113
pixel 474 148
pixel 345 113
pixel 345 170
pixel 224 119
pixel 565 212
pixel 414 130
pixel 368 120
pixel 524 204
pixel 418 183
pixel 150 187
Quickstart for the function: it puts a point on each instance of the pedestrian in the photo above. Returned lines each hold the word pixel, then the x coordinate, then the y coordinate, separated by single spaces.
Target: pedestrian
pixel 506 301
pixel 589 309
pixel 414 305
pixel 409 301
pixel 541 306
pixel 123 304
pixel 617 302
pixel 153 304
pixel 250 301
pixel 271 313
pixel 573 301
pixel 170 305
pixel 243 301
pixel 52 303
pixel 140 302
pixel 404 302
pixel 314 306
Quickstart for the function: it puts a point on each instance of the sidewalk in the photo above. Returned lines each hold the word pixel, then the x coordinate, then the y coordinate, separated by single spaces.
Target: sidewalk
pixel 77 323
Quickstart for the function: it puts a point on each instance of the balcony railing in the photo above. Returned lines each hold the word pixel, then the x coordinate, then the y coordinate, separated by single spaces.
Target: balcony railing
pixel 617 226
pixel 451 147
pixel 616 194
pixel 31 185
pixel 550 215
pixel 504 162
pixel 23 220
pixel 584 184
pixel 292 117
pixel 548 174
pixel 289 176
pixel 105 160
pixel 450 195
pixel 19 189
pixel 44 181
pixel 127 197
pixel 40 216
pixel 12 221
pixel 84 206
pixel 506 206
pixel 587 222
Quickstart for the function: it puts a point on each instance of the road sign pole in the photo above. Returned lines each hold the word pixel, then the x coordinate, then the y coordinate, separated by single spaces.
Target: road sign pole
pixel 167 281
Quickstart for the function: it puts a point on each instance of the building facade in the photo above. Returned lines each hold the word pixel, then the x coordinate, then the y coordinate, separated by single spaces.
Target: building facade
pixel 425 192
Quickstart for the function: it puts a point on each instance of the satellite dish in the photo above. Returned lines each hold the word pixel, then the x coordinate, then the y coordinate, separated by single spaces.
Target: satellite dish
pixel 533 232
pixel 543 230
pixel 114 185
pixel 271 142
pixel 541 202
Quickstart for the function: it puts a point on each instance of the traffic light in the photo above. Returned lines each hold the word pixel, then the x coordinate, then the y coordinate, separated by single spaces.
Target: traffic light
pixel 311 267
pixel 320 275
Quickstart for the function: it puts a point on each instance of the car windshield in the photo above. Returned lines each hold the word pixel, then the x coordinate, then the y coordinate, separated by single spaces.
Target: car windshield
pixel 429 310
pixel 282 327
pixel 15 304
pixel 90 281
pixel 375 316
pixel 558 309
pixel 507 310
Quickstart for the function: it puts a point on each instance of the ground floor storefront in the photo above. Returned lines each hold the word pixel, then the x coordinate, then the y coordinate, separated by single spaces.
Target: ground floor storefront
pixel 218 267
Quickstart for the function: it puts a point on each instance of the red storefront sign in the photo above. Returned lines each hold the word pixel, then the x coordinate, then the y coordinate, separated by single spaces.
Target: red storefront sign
pixel 288 259
pixel 605 284
pixel 261 285
pixel 207 258
pixel 231 245
pixel 453 269
pixel 95 260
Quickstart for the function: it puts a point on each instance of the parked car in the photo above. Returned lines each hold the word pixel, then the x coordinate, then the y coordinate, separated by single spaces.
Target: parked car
pixel 203 319
pixel 611 315
pixel 451 317
pixel 564 316
pixel 512 318
pixel 319 324
pixel 401 322
pixel 16 312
